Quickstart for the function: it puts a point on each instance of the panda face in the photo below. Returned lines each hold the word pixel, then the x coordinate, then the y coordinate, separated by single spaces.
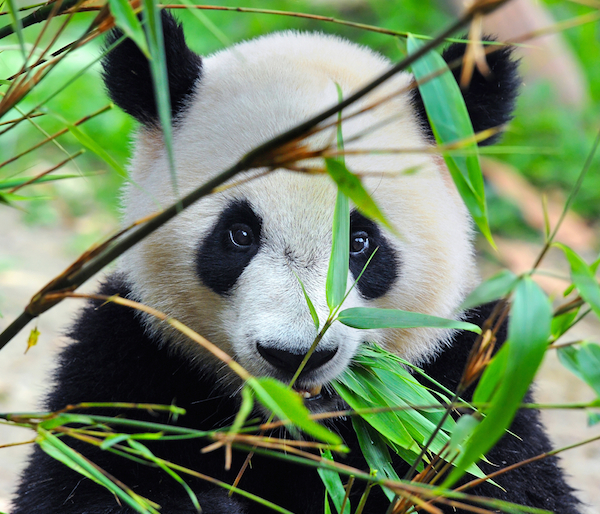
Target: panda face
pixel 230 266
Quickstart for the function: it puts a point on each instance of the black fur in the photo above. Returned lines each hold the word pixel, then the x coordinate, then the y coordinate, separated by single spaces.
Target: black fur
pixel 219 262
pixel 382 271
pixel 491 99
pixel 128 79
pixel 111 359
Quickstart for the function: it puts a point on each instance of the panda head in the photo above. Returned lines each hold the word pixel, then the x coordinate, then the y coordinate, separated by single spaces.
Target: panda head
pixel 230 266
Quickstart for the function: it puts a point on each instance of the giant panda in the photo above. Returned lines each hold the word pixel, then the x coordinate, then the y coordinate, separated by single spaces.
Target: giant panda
pixel 229 268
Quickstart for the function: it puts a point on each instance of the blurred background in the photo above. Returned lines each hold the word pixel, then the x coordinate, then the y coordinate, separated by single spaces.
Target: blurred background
pixel 44 227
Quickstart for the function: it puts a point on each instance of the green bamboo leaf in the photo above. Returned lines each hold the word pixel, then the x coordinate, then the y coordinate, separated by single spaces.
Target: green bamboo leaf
pixel 352 187
pixel 158 67
pixel 588 359
pixel 149 456
pixel 337 273
pixel 288 405
pixel 65 419
pixel 583 278
pixel 387 423
pixel 367 318
pixel 326 506
pixel 584 361
pixel 465 426
pixel 375 450
pixel 495 287
pixel 311 307
pixel 10 183
pixel 593 418
pixel 567 355
pixel 93 146
pixel 528 332
pixel 128 22
pixel 333 485
pixel 18 27
pixel 60 451
pixel 562 323
pixel 450 123
pixel 492 378
pixel 208 24
pixel 244 411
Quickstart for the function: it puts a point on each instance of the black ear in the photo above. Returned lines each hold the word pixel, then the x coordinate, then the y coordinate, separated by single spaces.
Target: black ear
pixel 127 76
pixel 490 99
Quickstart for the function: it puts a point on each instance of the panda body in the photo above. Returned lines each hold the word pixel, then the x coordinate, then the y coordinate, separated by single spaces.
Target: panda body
pixel 229 268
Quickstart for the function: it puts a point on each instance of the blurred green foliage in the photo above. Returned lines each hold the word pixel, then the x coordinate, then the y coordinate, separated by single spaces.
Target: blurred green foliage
pixel 539 123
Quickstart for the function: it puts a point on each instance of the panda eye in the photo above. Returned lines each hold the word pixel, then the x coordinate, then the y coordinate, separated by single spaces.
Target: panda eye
pixel 359 242
pixel 241 235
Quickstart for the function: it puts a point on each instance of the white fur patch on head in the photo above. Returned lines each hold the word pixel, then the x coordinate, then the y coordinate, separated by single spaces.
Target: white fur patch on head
pixel 247 95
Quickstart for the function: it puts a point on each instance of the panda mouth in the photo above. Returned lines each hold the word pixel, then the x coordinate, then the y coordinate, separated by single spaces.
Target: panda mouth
pixel 313 393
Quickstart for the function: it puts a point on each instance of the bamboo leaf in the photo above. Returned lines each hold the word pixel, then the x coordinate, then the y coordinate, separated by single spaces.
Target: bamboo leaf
pixel 158 67
pixel 10 183
pixel 311 307
pixel 583 278
pixel 352 187
pixel 528 332
pixel 18 27
pixel 495 287
pixel 367 318
pixel 337 273
pixel 60 451
pixel 450 123
pixel 583 361
pixel 288 405
pixel 128 22
pixel 465 426
pixel 333 485
pixel 374 448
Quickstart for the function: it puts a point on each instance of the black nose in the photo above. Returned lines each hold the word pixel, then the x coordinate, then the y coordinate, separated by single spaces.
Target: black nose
pixel 289 362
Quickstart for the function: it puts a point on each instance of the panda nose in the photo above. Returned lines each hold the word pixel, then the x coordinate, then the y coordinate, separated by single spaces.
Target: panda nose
pixel 289 362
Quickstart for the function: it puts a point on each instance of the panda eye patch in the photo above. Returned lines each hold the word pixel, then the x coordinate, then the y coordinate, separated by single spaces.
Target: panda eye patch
pixel 382 271
pixel 241 235
pixel 233 242
pixel 359 242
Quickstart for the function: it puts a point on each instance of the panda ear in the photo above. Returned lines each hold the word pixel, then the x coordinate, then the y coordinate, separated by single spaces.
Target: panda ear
pixel 128 79
pixel 490 99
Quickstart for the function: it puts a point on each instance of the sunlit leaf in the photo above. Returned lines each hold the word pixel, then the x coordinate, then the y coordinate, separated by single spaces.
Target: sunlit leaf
pixel 288 405
pixel 528 332
pixel 583 278
pixel 15 182
pixel 158 67
pixel 311 307
pixel 563 322
pixel 337 273
pixel 128 22
pixel 450 123
pixel 352 187
pixel 465 426
pixel 367 318
pixel 66 419
pixel 494 288
pixel 584 361
pixel 18 27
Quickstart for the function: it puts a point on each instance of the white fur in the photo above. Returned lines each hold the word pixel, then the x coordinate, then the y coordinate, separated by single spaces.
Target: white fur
pixel 246 96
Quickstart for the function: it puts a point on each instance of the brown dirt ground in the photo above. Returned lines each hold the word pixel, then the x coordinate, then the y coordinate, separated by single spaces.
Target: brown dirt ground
pixel 30 256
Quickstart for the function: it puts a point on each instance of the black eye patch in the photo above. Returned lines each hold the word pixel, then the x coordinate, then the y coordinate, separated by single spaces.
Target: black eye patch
pixel 382 271
pixel 233 242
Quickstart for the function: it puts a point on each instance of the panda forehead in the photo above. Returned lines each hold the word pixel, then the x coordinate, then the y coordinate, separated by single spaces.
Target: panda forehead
pixel 292 206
